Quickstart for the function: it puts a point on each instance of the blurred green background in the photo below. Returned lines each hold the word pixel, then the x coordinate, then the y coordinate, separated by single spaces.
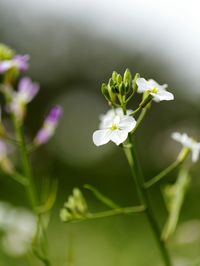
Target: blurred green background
pixel 74 46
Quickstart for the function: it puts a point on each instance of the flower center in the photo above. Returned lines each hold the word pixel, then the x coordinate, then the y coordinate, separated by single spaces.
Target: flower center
pixel 154 90
pixel 114 127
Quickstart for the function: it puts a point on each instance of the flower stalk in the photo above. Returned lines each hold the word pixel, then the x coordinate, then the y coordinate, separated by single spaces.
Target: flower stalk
pixel 144 198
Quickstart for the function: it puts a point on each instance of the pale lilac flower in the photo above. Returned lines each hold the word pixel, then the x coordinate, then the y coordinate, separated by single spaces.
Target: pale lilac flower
pixel 189 143
pixel 158 92
pixel 27 90
pixel 20 62
pixel 114 126
pixel 49 126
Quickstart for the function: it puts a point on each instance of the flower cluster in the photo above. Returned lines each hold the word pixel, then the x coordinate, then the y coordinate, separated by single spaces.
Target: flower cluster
pixel 16 103
pixel 75 208
pixel 118 122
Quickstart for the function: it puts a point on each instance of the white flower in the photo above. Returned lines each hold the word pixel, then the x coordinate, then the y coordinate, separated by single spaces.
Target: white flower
pixel 19 228
pixel 158 92
pixel 188 142
pixel 114 126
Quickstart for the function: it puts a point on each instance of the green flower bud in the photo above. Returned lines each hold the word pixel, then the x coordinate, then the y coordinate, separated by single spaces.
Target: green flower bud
pixel 75 208
pixel 119 79
pixel 5 52
pixel 122 89
pixel 114 76
pixel 105 92
pixel 127 78
pixel 137 76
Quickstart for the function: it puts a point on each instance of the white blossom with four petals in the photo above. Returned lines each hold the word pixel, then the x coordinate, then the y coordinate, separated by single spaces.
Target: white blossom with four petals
pixel 189 143
pixel 157 91
pixel 114 126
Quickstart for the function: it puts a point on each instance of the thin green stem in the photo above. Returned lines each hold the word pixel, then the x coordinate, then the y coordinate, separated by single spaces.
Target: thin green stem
pixel 126 210
pixel 30 189
pixel 162 174
pixel 140 118
pixel 180 159
pixel 20 179
pixel 136 111
pixel 142 193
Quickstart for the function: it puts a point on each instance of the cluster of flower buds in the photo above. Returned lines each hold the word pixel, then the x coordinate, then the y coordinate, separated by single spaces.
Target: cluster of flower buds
pixel 75 208
pixel 118 87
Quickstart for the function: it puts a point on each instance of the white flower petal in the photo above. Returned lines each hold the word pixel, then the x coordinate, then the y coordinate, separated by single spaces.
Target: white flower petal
pixel 162 95
pixel 101 137
pixel 195 155
pixel 155 84
pixel 127 123
pixel 118 136
pixel 189 143
pixel 177 136
pixel 143 85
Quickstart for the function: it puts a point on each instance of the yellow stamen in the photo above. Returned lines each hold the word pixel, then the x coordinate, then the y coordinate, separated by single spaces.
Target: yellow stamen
pixel 154 90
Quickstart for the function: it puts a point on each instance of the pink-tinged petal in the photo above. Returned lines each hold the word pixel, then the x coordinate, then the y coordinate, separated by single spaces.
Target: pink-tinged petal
pixel 5 65
pixel 54 115
pixel 21 61
pixel 27 89
pixel 127 123
pixel 101 137
pixel 49 126
pixel 118 136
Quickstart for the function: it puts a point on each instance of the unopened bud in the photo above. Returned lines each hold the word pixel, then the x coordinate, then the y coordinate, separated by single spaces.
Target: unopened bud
pixel 137 76
pixel 119 79
pixel 5 52
pixel 114 76
pixel 105 92
pixel 127 77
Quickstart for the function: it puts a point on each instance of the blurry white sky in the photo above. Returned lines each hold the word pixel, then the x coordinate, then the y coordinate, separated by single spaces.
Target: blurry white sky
pixel 169 29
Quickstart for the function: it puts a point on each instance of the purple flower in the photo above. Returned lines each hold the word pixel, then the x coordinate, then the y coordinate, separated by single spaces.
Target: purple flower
pixel 27 90
pixel 49 126
pixel 20 62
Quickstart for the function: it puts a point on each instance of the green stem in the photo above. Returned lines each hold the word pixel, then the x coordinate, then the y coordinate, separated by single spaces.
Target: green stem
pixel 126 210
pixel 30 188
pixel 140 118
pixel 20 179
pixel 162 174
pixel 138 178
